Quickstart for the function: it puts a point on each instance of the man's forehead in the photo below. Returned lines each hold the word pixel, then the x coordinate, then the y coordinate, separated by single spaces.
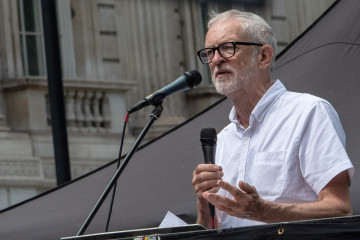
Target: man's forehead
pixel 224 31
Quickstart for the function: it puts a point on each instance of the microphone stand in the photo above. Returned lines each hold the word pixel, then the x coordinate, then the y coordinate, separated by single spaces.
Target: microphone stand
pixel 156 113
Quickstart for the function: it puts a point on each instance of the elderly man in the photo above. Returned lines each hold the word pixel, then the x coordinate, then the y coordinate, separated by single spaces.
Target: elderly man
pixel 282 157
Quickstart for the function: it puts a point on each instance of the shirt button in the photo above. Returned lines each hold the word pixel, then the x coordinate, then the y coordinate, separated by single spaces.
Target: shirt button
pixel 245 139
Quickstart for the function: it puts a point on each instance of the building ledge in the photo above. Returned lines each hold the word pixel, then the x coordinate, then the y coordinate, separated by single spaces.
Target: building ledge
pixel 77 83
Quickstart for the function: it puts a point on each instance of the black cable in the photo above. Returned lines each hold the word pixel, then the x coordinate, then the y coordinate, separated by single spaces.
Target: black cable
pixel 118 164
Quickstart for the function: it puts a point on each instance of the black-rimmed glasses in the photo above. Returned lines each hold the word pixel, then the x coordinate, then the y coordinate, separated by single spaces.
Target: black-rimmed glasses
pixel 226 50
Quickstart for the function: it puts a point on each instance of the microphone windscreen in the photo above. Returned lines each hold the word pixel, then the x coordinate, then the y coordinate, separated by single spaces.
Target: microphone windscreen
pixel 193 78
pixel 208 136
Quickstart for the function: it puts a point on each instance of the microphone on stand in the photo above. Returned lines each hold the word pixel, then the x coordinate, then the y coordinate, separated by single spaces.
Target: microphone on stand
pixel 208 138
pixel 184 82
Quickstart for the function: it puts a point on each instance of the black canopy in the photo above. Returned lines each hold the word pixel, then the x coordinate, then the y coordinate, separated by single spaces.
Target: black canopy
pixel 323 61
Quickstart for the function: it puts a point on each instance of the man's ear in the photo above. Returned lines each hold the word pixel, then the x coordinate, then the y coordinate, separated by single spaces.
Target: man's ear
pixel 267 54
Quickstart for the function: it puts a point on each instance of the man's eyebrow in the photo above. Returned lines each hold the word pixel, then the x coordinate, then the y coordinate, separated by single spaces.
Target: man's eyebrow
pixel 226 41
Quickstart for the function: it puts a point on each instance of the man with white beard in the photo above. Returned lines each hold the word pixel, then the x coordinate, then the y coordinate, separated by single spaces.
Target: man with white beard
pixel 282 157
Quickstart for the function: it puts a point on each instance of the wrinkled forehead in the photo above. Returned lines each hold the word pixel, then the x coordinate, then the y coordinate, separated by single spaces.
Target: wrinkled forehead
pixel 225 30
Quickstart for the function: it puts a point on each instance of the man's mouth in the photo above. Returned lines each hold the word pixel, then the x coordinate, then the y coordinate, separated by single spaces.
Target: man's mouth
pixel 222 72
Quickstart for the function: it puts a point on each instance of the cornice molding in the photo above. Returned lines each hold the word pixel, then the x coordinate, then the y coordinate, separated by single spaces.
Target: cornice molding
pixel 78 83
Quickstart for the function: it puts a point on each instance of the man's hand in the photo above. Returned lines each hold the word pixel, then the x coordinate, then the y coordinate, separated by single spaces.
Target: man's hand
pixel 205 178
pixel 333 201
pixel 246 202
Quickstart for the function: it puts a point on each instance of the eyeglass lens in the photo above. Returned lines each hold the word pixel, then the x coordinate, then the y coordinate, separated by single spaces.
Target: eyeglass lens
pixel 226 50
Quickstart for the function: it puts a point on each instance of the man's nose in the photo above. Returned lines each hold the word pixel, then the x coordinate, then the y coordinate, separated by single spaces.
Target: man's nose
pixel 217 57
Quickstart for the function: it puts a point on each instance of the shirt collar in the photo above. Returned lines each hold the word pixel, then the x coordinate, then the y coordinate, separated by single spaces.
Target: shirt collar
pixel 269 98
pixel 263 106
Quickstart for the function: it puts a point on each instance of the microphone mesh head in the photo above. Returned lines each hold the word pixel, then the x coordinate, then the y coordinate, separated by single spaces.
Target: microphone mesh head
pixel 193 78
pixel 208 136
pixel 208 133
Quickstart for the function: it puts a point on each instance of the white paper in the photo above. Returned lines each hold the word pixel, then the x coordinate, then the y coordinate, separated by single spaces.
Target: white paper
pixel 171 220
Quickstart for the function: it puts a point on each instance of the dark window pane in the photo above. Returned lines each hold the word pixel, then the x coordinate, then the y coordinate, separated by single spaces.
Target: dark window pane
pixel 32 55
pixel 29 16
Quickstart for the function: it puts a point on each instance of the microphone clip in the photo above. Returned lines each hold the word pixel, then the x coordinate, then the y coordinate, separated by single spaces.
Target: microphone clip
pixel 156 113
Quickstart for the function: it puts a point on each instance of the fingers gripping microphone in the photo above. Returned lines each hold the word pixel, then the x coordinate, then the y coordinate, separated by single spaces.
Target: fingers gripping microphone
pixel 186 81
pixel 208 138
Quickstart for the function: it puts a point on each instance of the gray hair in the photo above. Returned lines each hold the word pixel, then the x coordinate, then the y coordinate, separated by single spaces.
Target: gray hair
pixel 255 27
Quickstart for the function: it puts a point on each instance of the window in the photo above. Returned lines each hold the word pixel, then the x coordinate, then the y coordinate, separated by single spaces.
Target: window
pixel 32 41
pixel 31 37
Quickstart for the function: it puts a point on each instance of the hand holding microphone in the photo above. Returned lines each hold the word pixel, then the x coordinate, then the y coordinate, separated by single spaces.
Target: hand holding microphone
pixel 208 138
pixel 206 176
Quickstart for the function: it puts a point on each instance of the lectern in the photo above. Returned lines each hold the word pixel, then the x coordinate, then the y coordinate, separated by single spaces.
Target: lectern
pixel 140 234
pixel 343 228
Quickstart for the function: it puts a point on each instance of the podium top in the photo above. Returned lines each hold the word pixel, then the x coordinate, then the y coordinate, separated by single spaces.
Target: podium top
pixel 137 233
pixel 340 228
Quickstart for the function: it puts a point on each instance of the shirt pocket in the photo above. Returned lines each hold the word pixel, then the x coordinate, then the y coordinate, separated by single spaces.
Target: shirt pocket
pixel 267 173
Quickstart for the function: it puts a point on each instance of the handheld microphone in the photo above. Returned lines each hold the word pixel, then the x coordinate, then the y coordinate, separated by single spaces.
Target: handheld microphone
pixel 186 81
pixel 208 138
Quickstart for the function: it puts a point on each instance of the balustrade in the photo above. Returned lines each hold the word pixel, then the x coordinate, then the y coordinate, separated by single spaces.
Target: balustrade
pixel 86 110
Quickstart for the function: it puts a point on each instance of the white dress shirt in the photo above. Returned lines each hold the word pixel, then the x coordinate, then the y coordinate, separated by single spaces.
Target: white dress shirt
pixel 293 147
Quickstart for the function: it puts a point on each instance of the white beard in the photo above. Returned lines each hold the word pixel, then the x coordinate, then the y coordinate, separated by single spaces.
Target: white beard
pixel 228 84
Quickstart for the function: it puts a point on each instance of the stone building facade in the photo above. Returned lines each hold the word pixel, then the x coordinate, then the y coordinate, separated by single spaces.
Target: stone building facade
pixel 114 53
